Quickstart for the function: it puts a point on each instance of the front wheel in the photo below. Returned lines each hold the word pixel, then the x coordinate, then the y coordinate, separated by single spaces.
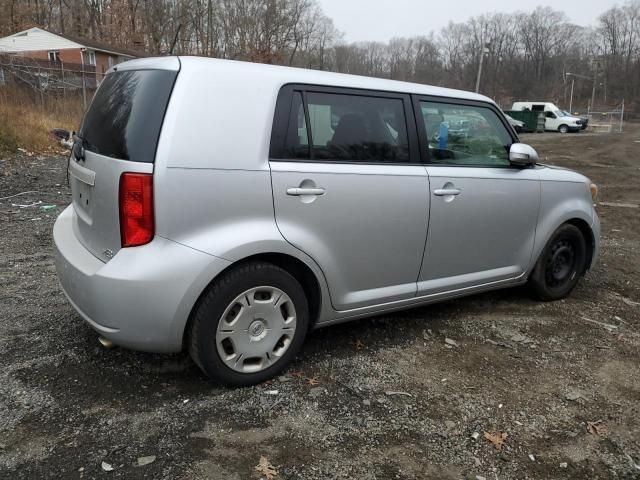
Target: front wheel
pixel 249 325
pixel 563 128
pixel 560 265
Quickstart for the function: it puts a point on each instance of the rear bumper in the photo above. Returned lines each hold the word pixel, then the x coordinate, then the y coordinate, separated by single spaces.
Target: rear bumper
pixel 141 299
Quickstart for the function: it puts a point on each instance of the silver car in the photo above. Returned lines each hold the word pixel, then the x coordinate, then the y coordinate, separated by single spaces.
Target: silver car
pixel 227 208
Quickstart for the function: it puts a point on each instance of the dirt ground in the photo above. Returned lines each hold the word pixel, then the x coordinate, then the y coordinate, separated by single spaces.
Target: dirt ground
pixel 534 373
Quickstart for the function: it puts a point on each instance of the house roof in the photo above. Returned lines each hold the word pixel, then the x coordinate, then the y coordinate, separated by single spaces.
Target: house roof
pixel 103 47
pixel 36 39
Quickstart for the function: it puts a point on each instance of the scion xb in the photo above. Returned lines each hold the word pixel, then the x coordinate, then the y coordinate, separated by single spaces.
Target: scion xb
pixel 227 208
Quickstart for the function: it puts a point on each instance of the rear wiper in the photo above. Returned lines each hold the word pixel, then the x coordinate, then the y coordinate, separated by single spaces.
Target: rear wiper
pixel 85 143
pixel 79 144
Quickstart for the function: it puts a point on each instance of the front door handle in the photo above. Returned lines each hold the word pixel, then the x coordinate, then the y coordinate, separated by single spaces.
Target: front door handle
pixel 443 192
pixel 298 191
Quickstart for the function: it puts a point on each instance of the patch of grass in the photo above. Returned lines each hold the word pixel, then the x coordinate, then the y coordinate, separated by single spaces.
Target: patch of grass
pixel 25 122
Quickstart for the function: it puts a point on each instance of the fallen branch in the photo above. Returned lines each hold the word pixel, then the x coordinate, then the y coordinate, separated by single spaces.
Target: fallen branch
pixel 608 326
pixel 18 194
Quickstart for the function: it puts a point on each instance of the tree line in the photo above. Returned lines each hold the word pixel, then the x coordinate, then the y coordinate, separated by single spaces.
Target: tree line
pixel 525 55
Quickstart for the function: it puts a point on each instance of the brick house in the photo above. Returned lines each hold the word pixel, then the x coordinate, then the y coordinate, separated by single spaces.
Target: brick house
pixel 44 47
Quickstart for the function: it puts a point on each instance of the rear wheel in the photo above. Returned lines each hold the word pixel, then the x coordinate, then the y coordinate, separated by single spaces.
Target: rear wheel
pixel 563 128
pixel 560 265
pixel 249 325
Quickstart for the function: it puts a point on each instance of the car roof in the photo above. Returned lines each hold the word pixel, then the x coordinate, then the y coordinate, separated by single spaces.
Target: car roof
pixel 277 76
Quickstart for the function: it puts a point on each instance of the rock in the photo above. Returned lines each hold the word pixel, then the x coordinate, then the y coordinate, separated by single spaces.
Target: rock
pixel 366 402
pixel 518 337
pixel 142 461
pixel 564 465
pixel 532 458
pixel 284 379
pixel 451 342
pixel 450 424
pixel 315 392
pixel 107 467
pixel 574 395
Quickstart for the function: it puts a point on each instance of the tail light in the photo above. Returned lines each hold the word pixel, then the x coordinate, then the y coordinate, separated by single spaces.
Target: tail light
pixel 136 209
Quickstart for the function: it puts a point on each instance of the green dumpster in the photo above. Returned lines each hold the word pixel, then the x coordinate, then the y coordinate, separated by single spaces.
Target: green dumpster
pixel 533 121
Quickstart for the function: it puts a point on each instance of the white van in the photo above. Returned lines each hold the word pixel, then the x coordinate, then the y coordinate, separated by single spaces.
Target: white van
pixel 555 119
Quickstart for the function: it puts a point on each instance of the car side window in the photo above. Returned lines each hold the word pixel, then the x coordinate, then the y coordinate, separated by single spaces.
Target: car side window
pixel 465 135
pixel 296 143
pixel 348 128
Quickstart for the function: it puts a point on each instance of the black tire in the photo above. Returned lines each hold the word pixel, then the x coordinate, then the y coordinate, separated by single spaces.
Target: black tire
pixel 563 129
pixel 560 265
pixel 209 310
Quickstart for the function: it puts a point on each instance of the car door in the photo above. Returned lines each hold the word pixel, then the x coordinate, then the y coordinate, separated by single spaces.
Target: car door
pixel 551 121
pixel 349 190
pixel 483 210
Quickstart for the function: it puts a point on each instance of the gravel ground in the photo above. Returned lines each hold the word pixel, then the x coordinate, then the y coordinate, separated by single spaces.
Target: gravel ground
pixel 411 395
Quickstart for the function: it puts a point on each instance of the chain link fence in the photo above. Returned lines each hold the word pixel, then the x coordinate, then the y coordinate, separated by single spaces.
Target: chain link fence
pixel 43 79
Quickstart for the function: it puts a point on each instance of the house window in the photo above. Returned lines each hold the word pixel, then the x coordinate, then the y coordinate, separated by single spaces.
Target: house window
pixel 110 61
pixel 54 56
pixel 90 58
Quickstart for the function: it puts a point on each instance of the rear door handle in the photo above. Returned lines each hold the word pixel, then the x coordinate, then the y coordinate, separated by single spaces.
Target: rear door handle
pixel 298 191
pixel 442 192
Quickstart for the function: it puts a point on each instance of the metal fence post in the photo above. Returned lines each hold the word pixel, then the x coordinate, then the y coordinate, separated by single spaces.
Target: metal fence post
pixel 40 87
pixel 64 86
pixel 84 84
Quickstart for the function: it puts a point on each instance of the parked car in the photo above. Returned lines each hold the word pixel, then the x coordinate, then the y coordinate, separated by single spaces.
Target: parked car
pixel 584 119
pixel 518 125
pixel 227 208
pixel 555 119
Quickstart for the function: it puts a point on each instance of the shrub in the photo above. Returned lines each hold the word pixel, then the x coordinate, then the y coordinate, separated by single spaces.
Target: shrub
pixel 25 122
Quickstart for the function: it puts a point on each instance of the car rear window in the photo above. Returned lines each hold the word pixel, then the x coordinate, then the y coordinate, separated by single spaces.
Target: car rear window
pixel 126 114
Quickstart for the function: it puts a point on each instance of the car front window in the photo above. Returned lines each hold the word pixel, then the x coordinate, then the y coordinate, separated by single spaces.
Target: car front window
pixel 465 135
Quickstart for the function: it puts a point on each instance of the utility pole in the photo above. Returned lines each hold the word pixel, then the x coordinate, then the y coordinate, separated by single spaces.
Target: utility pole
pixel 595 81
pixel 485 50
pixel 573 75
pixel 571 97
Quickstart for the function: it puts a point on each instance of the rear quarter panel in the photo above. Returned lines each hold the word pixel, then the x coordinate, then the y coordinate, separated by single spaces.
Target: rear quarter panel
pixel 212 178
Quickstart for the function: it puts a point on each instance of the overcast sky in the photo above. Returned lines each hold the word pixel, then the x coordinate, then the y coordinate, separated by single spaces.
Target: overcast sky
pixel 383 19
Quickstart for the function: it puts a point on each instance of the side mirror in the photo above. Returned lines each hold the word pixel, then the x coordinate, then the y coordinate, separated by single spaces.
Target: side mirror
pixel 522 155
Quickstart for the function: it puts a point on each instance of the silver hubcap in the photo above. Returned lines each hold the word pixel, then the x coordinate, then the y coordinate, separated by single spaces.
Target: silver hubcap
pixel 256 329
